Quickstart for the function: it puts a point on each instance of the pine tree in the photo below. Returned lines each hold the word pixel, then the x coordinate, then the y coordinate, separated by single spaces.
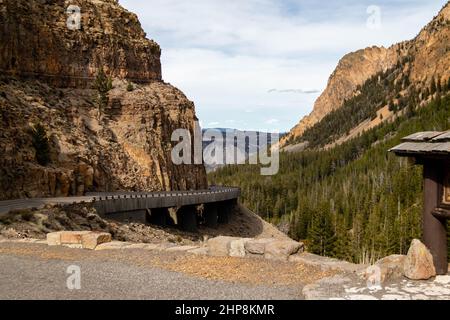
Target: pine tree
pixel 103 85
pixel 41 144
pixel 321 233
pixel 343 249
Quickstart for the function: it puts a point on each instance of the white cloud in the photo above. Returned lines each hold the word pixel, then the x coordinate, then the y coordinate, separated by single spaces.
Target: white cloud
pixel 227 55
pixel 272 121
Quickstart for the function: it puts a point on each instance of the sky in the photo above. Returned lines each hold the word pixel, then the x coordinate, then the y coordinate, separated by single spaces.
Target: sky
pixel 261 64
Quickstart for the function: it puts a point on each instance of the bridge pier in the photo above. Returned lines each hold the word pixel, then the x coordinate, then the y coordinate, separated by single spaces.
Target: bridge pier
pixel 211 215
pixel 226 208
pixel 187 218
pixel 159 217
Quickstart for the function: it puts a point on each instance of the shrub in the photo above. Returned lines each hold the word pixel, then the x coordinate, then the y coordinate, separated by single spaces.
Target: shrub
pixel 41 144
pixel 130 87
pixel 103 85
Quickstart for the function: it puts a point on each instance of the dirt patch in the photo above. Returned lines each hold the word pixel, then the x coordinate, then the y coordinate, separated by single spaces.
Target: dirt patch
pixel 252 271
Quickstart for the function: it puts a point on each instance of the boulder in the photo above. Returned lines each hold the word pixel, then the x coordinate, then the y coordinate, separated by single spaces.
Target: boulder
pixel 203 251
pixel 388 268
pixel 93 239
pixel 419 263
pixel 73 237
pixel 113 245
pixel 281 249
pixel 182 248
pixel 220 246
pixel 54 239
pixel 237 248
pixel 78 239
pixel 257 246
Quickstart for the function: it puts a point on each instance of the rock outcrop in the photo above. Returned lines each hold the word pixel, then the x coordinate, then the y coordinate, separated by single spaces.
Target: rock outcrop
pixel 352 71
pixel 269 248
pixel 419 262
pixel 385 269
pixel 78 239
pixel 36 42
pixel 47 73
pixel 428 55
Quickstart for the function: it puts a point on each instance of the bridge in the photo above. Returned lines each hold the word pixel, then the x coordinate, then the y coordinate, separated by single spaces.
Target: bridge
pixel 179 208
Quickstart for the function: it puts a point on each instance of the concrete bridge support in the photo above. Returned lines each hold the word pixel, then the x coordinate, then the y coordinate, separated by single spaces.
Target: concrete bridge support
pixel 211 215
pixel 187 218
pixel 160 217
pixel 226 209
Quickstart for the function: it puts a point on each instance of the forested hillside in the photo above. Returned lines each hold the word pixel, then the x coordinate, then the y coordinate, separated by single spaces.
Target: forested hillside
pixel 355 201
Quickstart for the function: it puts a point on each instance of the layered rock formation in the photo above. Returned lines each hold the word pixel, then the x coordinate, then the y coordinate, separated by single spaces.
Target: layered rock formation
pixel 48 81
pixel 428 53
pixel 352 71
pixel 35 41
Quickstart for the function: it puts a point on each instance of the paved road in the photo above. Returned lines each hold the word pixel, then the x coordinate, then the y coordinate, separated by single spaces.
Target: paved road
pixel 29 277
pixel 20 204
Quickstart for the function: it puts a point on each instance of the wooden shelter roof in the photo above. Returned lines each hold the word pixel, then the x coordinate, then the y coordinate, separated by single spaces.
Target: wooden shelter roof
pixel 424 143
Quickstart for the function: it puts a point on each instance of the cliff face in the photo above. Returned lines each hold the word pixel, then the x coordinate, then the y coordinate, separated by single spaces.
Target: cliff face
pixel 428 53
pixel 352 71
pixel 36 42
pixel 49 80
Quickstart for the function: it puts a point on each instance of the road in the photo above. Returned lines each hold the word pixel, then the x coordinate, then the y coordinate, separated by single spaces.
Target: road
pixel 21 204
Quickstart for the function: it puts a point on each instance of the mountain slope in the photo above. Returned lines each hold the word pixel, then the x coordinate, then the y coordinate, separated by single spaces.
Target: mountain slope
pixel 353 199
pixel 420 61
pixel 49 73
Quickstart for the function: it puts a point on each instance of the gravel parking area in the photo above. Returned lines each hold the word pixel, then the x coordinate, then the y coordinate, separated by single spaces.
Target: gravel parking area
pixel 32 271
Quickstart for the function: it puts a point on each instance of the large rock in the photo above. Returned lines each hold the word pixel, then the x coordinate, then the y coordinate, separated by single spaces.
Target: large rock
pixel 220 246
pixel 93 239
pixel 282 249
pixel 73 237
pixel 78 239
pixel 388 268
pixel 257 246
pixel 419 263
pixel 54 239
pixel 237 248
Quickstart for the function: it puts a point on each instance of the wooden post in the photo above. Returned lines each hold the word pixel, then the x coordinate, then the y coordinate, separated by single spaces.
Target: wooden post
pixel 434 229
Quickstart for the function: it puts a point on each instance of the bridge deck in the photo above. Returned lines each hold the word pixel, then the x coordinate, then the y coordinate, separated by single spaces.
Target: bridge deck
pixel 107 202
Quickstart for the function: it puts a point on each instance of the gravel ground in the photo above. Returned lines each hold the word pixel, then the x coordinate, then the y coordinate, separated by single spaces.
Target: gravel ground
pixel 39 272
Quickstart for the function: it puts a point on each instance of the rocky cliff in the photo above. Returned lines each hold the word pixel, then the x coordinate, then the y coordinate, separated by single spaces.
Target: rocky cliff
pixel 47 78
pixel 35 41
pixel 428 57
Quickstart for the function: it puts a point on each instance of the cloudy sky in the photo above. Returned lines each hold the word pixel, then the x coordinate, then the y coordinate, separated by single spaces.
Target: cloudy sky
pixel 260 64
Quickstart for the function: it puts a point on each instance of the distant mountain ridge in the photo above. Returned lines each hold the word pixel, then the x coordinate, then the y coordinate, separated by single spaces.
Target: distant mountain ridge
pixel 228 136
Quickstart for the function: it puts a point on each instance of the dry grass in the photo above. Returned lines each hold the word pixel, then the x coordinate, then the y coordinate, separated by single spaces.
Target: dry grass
pixel 251 271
